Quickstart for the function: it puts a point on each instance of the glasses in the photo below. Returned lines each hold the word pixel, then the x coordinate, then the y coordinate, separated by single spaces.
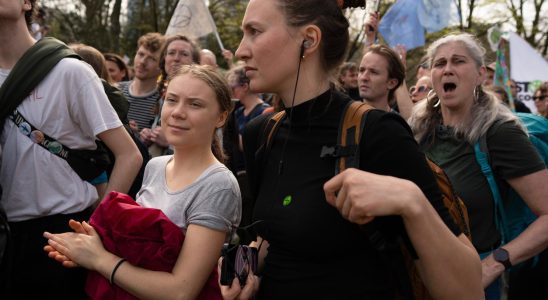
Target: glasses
pixel 420 89
pixel 539 98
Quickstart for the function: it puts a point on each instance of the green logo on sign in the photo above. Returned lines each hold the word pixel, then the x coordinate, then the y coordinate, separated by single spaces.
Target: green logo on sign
pixel 287 200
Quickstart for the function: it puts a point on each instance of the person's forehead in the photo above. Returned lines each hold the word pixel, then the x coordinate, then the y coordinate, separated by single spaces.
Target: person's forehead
pixel 350 72
pixel 451 49
pixel 375 60
pixel 146 51
pixel 423 81
pixel 262 12
pixel 179 44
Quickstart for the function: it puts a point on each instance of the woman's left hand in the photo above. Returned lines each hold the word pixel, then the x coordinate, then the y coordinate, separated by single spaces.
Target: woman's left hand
pixel 361 196
pixel 76 248
pixel 236 292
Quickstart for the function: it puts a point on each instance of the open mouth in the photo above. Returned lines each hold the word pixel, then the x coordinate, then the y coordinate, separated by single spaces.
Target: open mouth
pixel 449 87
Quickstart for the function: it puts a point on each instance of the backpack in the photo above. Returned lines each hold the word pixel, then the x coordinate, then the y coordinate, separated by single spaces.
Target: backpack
pixel 512 215
pixel 347 156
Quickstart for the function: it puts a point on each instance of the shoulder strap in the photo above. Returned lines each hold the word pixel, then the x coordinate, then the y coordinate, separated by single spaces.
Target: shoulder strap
pixel 29 71
pixel 272 127
pixel 350 133
pixel 264 140
pixel 481 152
pixel 258 109
pixel 454 204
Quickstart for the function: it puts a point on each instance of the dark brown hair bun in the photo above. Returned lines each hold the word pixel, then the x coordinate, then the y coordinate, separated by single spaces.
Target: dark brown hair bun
pixel 351 3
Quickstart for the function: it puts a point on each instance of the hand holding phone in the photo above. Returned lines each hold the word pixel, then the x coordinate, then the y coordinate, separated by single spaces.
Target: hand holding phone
pixel 238 260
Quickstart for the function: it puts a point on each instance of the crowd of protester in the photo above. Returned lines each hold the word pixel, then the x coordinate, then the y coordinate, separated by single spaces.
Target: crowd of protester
pixel 217 159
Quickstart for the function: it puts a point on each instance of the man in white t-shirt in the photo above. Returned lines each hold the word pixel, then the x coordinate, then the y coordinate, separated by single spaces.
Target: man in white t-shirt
pixel 41 192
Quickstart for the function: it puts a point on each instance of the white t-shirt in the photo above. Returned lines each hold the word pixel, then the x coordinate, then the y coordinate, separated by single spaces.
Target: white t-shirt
pixel 69 105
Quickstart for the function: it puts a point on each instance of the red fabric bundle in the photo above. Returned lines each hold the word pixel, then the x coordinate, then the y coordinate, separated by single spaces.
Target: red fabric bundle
pixel 145 237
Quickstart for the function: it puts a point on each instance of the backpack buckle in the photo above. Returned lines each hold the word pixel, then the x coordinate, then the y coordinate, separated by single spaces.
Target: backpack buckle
pixel 338 151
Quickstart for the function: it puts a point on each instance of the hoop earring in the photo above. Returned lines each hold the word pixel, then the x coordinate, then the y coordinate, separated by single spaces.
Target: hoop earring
pixel 431 96
pixel 429 93
pixel 476 94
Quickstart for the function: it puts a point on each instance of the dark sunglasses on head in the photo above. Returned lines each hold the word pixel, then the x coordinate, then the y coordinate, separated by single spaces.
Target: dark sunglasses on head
pixel 420 89
pixel 539 98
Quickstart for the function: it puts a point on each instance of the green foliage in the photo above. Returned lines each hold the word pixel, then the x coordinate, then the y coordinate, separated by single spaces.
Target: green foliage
pixel 228 15
pixel 99 24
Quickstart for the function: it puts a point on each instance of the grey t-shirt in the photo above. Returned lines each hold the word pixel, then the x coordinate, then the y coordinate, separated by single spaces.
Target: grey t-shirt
pixel 212 201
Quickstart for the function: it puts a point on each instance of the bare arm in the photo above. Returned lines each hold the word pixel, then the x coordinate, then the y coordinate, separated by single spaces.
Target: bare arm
pixel 127 156
pixel 403 99
pixel 229 57
pixel 370 27
pixel 196 260
pixel 534 191
pixel 449 266
pixel 405 105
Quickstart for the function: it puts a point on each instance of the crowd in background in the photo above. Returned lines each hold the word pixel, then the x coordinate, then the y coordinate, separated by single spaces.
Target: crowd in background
pixel 233 157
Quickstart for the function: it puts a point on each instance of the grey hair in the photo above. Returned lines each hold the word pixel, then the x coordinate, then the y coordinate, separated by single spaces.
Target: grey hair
pixel 483 113
pixel 470 42
pixel 485 110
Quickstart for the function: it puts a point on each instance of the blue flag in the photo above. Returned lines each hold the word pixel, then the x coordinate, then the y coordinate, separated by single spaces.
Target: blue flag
pixel 401 25
pixel 434 15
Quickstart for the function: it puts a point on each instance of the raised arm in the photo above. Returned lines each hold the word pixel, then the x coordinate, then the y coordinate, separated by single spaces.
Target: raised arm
pixel 403 99
pixel 371 26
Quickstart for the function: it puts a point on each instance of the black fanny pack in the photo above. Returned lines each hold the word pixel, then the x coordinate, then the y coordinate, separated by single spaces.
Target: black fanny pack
pixel 88 164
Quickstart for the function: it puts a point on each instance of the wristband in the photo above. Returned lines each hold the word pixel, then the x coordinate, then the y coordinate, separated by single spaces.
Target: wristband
pixel 118 264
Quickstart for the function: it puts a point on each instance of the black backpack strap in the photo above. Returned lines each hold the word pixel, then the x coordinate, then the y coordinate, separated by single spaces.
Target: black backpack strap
pixel 29 71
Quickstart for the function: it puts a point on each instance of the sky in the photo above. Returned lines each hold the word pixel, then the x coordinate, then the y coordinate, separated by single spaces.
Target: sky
pixel 483 11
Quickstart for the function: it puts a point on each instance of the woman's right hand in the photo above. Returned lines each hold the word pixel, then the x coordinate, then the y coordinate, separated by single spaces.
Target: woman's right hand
pixel 76 248
pixel 234 291
pixel 63 259
pixel 361 196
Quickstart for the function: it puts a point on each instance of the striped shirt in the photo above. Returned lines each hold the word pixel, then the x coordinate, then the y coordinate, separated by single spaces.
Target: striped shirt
pixel 141 108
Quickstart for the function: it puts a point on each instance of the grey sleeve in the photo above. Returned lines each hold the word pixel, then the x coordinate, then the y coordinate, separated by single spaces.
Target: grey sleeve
pixel 221 207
